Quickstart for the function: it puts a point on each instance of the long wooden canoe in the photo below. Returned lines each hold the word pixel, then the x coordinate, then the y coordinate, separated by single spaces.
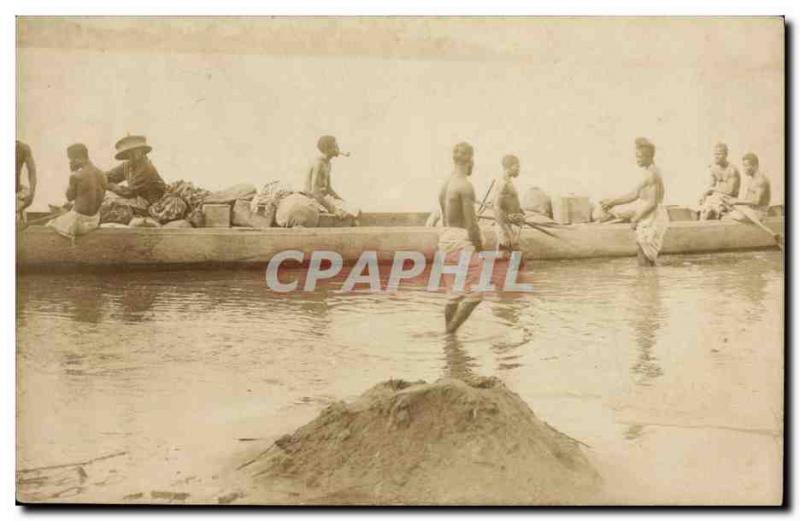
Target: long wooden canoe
pixel 40 248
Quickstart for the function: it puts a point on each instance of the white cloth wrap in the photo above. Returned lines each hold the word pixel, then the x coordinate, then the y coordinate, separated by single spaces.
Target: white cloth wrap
pixel 650 232
pixel 73 224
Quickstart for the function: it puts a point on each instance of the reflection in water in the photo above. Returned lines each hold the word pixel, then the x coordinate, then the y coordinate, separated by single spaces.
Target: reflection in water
pixel 515 312
pixel 88 305
pixel 646 320
pixel 144 361
pixel 458 363
pixel 136 304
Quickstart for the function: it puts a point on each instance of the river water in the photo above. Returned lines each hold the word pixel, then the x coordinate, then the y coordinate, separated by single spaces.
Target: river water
pixel 672 377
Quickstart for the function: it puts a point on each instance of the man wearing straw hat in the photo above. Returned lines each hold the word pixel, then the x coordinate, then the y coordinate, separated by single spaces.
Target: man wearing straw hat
pixel 137 171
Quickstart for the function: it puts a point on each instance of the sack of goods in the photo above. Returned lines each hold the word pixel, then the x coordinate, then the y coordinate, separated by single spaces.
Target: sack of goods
pixel 535 200
pixel 231 194
pixel 297 210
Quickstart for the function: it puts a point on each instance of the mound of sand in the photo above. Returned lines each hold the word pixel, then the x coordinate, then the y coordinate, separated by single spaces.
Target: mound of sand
pixel 449 442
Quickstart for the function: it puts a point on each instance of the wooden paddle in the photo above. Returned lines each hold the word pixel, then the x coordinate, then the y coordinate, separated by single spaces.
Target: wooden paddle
pixel 753 217
pixel 46 218
pixel 530 224
pixel 485 197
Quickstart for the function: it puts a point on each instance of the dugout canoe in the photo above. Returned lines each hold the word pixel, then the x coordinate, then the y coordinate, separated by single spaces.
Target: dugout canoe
pixel 40 248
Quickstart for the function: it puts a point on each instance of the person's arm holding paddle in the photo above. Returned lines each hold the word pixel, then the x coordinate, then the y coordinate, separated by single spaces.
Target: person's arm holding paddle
pixel 753 206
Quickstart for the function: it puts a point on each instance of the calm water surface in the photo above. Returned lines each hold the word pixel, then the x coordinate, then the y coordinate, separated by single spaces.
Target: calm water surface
pixel 672 377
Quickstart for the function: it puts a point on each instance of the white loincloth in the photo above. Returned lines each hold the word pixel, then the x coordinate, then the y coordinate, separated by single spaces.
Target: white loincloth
pixel 650 232
pixel 715 205
pixel 73 224
pixel 452 242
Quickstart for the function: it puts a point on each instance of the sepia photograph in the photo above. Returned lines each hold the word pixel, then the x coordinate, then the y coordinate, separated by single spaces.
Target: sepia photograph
pixel 400 260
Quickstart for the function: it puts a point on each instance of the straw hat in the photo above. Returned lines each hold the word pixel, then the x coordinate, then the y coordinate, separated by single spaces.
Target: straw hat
pixel 125 145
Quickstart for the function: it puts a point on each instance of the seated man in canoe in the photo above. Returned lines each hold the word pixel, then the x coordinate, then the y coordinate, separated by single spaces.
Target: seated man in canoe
pixel 87 186
pixel 650 220
pixel 754 203
pixel 508 213
pixel 137 172
pixel 460 234
pixel 318 181
pixel 25 194
pixel 724 180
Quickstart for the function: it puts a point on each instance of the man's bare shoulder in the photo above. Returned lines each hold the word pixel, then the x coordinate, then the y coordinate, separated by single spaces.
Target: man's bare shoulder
pixel 505 185
pixel 652 175
pixel 460 186
pixel 319 162
pixel 89 172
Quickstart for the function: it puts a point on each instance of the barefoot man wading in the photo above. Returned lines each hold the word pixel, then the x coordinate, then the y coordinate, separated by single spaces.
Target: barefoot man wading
pixel 461 234
pixel 650 220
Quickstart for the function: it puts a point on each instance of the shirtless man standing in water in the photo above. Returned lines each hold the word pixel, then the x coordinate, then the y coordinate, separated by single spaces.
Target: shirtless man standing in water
pixel 650 220
pixel 457 202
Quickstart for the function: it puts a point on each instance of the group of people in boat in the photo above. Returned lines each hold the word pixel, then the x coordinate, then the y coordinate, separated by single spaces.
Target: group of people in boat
pixel 458 211
pixel 136 177
pixel 136 182
pixel 462 234
pixel 726 191
pixel 646 213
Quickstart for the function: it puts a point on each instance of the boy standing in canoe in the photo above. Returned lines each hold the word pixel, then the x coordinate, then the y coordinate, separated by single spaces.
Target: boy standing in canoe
pixel 87 187
pixel 650 220
pixel 508 214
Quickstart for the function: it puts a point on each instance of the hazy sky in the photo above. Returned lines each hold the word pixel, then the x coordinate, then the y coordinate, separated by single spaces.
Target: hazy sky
pixel 224 101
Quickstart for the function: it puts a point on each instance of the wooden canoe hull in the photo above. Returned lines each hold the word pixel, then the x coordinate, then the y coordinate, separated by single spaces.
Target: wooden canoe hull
pixel 39 247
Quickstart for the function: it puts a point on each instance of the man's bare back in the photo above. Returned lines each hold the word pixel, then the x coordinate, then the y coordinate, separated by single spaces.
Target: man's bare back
pixel 457 200
pixel 87 188
pixel 457 197
pixel 318 178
